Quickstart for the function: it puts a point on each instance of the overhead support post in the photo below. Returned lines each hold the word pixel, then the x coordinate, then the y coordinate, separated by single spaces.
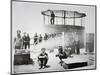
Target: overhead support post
pixel 64 17
pixel 48 19
pixel 81 21
pixel 74 19
pixel 44 18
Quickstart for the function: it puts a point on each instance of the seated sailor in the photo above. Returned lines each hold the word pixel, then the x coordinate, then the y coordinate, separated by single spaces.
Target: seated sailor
pixel 43 58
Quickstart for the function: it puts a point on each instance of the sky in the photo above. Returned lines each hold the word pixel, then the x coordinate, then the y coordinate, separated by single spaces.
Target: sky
pixel 27 16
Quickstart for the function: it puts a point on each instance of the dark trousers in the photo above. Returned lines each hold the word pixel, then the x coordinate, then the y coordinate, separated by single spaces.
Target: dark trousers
pixel 78 51
pixel 40 40
pixel 73 50
pixel 24 45
pixel 43 61
pixel 52 20
pixel 62 56
pixel 35 41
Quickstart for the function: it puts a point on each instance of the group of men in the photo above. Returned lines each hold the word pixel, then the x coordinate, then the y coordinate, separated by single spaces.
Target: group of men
pixel 43 56
pixel 26 41
pixel 39 38
pixel 22 42
pixel 62 54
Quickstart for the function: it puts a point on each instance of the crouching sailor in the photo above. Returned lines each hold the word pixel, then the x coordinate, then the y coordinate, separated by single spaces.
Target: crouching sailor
pixel 43 58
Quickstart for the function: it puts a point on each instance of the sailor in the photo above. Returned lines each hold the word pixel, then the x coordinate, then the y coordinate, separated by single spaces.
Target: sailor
pixel 43 58
pixel 52 20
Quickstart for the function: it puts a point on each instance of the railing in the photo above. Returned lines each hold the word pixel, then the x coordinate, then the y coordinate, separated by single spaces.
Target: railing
pixel 63 17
